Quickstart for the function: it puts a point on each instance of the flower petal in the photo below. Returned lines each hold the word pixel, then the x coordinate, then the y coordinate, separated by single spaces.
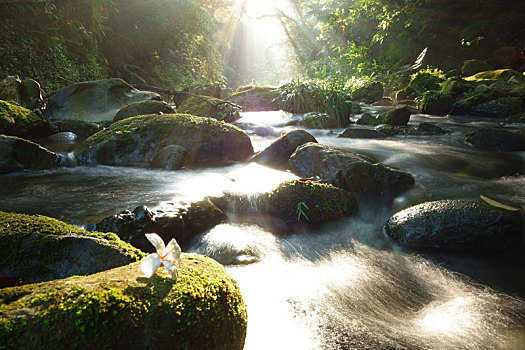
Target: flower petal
pixel 157 242
pixel 172 269
pixel 150 264
pixel 172 252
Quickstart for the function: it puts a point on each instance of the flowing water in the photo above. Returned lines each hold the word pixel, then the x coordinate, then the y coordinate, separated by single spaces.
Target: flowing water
pixel 344 285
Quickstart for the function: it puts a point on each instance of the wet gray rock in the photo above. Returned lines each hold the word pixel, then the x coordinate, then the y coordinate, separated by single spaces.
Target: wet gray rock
pixel 81 128
pixel 18 154
pixel 457 225
pixel 362 134
pixel 278 153
pixel 359 174
pixel 399 116
pixel 170 157
pixel 94 101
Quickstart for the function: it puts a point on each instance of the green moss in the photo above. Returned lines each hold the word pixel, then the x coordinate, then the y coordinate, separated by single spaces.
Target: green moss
pixel 436 102
pixel 422 82
pixel 210 107
pixel 498 74
pixel 39 248
pixel 18 121
pixel 118 308
pixel 142 107
pixel 320 121
pixel 325 202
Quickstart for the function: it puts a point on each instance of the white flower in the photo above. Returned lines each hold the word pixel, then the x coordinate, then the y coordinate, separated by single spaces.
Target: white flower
pixel 168 256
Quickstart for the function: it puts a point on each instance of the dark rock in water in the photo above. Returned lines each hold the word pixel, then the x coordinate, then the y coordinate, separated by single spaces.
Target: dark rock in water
pixel 182 223
pixel 364 177
pixel 81 128
pixel 143 107
pixel 496 140
pixel 437 102
pixel 471 67
pixel 426 128
pixel 137 140
pixel 170 157
pixel 121 309
pixel 278 153
pixel 94 101
pixel 19 154
pixel 362 134
pixel 21 122
pixel 319 121
pixel 398 116
pixel 500 108
pixel 38 248
pixel 369 93
pixel 457 225
pixel 389 130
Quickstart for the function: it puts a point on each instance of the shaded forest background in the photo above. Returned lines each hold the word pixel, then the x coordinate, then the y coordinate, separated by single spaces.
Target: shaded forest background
pixel 179 43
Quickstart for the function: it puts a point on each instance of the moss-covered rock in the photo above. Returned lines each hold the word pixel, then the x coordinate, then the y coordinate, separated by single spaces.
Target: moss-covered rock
pixel 422 82
pixel 498 74
pixel 437 102
pixel 256 98
pixel 471 67
pixel 120 309
pixel 137 140
pixel 363 176
pixel 496 140
pixel 94 101
pixel 457 224
pixel 278 152
pixel 25 92
pixel 355 133
pixel 38 248
pixel 397 116
pixel 312 203
pixel 20 121
pixel 19 154
pixel 500 108
pixel 319 121
pixel 210 107
pixel 182 222
pixel 465 104
pixel 369 93
pixel 143 107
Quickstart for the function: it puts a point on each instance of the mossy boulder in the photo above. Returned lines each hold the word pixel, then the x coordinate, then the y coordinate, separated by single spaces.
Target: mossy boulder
pixel 457 225
pixel 355 133
pixel 20 121
pixel 26 92
pixel 426 129
pixel 498 74
pixel 137 141
pixel 278 153
pixel 397 116
pixel 465 104
pixel 497 140
pixel 182 222
pixel 254 99
pixel 209 107
pixel 369 93
pixel 311 203
pixel 437 102
pixel 364 177
pixel 120 309
pixel 471 67
pixel 500 108
pixel 94 101
pixel 143 107
pixel 18 154
pixel 38 248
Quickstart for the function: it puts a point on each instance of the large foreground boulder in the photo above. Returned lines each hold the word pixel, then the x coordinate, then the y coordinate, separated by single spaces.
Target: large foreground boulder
pixel 361 175
pixel 38 248
pixel 18 154
pixel 20 121
pixel 496 140
pixel 94 101
pixel 457 225
pixel 182 222
pixel 120 309
pixel 278 153
pixel 138 140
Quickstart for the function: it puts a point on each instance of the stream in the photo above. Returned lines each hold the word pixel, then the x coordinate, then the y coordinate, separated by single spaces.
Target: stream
pixel 344 285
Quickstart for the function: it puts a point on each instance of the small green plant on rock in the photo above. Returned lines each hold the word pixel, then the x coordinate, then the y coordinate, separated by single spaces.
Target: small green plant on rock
pixel 300 211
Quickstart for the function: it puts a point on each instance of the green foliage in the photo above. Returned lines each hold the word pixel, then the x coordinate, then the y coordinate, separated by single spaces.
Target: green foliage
pixel 301 206
pixel 327 96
